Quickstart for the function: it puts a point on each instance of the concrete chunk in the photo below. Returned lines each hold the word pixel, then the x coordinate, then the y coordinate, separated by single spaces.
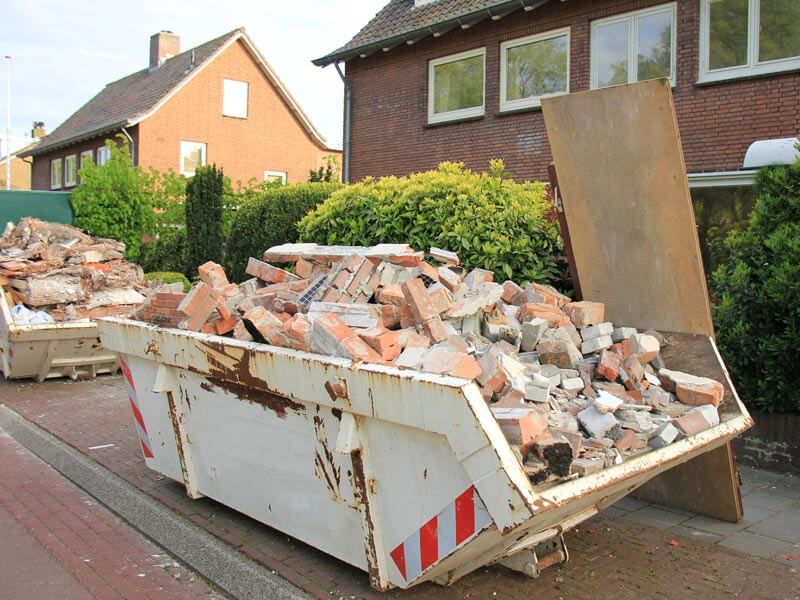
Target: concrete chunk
pixel 597 424
pixel 596 344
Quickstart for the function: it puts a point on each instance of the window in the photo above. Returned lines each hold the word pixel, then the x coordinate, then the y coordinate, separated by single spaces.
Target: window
pixel 193 155
pixel 456 86
pixel 103 154
pixel 55 174
pixel 533 68
pixel 87 158
pixel 70 170
pixel 275 176
pixel 748 37
pixel 633 47
pixel 234 98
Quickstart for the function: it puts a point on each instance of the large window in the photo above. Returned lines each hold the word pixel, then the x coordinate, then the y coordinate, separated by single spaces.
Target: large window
pixel 55 174
pixel 456 86
pixel 633 47
pixel 533 68
pixel 748 37
pixel 70 170
pixel 193 155
pixel 234 98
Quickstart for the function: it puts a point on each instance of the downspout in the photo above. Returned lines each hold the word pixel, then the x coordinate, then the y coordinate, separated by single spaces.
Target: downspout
pixel 346 141
pixel 132 145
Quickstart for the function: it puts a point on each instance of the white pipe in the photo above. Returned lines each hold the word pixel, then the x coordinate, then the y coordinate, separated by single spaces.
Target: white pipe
pixel 8 122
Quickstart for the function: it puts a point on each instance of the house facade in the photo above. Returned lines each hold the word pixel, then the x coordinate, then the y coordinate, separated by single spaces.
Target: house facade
pixel 448 80
pixel 219 103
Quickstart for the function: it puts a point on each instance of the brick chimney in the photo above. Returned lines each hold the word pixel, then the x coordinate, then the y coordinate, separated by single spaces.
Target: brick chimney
pixel 163 45
pixel 38 131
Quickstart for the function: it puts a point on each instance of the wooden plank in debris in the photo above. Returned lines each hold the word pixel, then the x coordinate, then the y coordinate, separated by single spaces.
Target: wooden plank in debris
pixel 294 252
pixel 626 197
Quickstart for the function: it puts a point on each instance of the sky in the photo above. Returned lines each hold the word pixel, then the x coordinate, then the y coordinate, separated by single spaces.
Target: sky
pixel 63 53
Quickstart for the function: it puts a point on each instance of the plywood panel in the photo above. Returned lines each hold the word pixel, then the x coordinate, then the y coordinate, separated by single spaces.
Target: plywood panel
pixel 626 200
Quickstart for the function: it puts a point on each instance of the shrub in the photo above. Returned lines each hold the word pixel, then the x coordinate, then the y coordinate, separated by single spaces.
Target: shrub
pixel 491 222
pixel 168 277
pixel 204 194
pixel 267 217
pixel 166 253
pixel 757 295
pixel 114 200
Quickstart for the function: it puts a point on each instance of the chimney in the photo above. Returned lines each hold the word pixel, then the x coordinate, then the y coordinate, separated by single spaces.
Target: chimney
pixel 163 45
pixel 38 131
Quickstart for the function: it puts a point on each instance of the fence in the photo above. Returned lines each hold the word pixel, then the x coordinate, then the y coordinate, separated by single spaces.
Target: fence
pixel 48 206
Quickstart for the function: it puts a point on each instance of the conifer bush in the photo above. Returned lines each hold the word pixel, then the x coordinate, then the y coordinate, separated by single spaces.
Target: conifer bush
pixel 204 217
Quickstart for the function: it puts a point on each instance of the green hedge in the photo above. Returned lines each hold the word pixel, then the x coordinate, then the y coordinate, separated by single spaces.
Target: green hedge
pixel 204 216
pixel 168 277
pixel 491 221
pixel 757 295
pixel 167 253
pixel 268 217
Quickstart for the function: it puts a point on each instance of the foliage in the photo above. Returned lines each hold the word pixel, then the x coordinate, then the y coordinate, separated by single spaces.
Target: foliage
pixel 491 222
pixel 114 200
pixel 165 253
pixel 267 217
pixel 328 172
pixel 168 277
pixel 757 293
pixel 168 191
pixel 204 221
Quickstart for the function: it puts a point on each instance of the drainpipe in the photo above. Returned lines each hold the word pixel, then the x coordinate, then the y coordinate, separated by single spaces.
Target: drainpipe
pixel 132 145
pixel 348 96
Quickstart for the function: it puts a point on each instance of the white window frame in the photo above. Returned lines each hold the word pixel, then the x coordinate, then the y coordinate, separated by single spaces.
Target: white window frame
pixel 633 41
pixel 272 175
pixel 533 101
pixel 463 113
pixel 231 98
pixel 190 146
pixel 73 180
pixel 56 162
pixel 753 66
pixel 103 155
pixel 87 157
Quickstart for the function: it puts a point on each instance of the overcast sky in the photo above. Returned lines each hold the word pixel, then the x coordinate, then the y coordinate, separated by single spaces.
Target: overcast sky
pixel 63 52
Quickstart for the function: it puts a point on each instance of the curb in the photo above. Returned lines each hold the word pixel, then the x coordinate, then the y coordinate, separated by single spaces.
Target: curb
pixel 231 571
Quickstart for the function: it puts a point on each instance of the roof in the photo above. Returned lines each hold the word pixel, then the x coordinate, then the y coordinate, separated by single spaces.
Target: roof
pixel 401 22
pixel 130 100
pixel 16 153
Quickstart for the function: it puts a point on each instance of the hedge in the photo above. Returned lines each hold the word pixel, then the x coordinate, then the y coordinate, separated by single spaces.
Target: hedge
pixel 491 221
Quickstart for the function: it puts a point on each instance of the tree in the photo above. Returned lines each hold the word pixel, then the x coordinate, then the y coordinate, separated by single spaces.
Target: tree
pixel 114 200
pixel 204 208
pixel 327 172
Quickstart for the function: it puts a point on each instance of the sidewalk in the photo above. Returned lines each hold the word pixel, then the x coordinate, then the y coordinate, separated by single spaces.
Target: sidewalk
pixel 58 542
pixel 632 550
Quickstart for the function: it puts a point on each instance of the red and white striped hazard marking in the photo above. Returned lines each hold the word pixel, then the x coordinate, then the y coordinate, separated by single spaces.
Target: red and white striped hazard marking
pixel 460 521
pixel 144 439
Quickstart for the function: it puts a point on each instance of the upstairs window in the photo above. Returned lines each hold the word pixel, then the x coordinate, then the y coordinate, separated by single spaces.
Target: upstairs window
pixel 456 86
pixel 193 155
pixel 55 174
pixel 234 98
pixel 70 170
pixel 533 68
pixel 633 47
pixel 739 38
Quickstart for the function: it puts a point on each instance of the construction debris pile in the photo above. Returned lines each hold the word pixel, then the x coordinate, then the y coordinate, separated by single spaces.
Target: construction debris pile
pixel 572 392
pixel 59 270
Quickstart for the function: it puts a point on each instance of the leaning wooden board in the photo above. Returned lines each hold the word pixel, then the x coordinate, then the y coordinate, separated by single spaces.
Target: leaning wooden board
pixel 625 198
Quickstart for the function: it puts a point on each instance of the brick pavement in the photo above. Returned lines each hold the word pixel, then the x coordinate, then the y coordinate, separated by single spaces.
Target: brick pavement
pixel 79 547
pixel 610 557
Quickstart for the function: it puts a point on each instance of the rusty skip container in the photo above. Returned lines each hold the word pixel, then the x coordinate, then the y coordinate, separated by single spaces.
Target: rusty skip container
pixel 403 474
pixel 51 350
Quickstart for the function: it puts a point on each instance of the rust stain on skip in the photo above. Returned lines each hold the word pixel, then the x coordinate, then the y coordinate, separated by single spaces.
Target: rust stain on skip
pixel 324 466
pixel 362 499
pixel 176 428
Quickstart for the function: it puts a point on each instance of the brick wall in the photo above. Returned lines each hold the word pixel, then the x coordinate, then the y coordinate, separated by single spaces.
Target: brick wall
pixel 20 174
pixel 390 134
pixel 270 138
pixel 40 172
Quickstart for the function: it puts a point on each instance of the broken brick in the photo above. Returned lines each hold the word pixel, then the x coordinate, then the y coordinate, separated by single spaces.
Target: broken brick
pixel 585 313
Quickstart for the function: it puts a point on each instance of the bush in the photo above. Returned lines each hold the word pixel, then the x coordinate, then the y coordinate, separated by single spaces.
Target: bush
pixel 168 277
pixel 167 253
pixel 114 200
pixel 491 222
pixel 757 295
pixel 267 217
pixel 204 204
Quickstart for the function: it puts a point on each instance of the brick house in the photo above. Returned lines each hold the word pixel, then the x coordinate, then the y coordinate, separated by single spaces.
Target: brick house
pixel 435 80
pixel 220 103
